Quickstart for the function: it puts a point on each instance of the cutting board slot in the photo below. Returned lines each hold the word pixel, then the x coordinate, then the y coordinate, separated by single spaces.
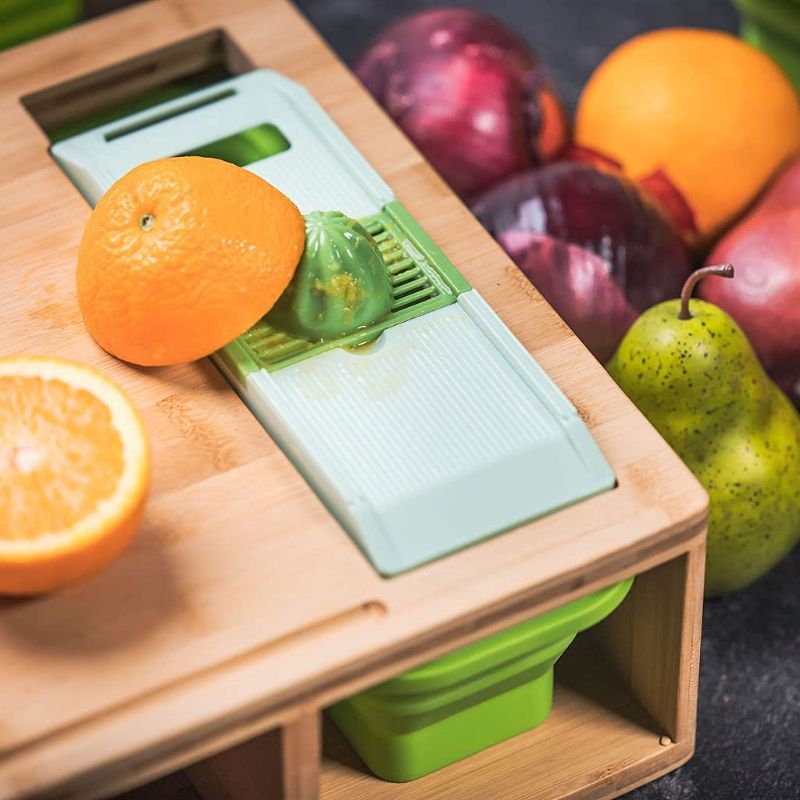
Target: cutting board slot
pixel 117 91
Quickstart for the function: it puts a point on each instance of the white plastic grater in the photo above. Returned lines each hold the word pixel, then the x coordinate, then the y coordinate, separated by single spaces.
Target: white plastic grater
pixel 443 432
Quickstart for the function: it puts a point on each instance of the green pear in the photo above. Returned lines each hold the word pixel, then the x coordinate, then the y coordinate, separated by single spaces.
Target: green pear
pixel 692 372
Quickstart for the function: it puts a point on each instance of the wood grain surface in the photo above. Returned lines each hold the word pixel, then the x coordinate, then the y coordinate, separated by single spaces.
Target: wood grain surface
pixel 242 600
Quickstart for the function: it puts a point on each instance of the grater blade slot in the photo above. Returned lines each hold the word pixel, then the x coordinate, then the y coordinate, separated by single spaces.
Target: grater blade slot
pixel 175 111
pixel 246 147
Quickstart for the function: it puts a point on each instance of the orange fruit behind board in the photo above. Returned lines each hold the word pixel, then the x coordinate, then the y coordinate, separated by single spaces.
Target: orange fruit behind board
pixel 716 115
pixel 74 471
pixel 182 255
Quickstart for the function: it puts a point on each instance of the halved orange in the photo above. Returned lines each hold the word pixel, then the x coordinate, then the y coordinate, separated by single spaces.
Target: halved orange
pixel 182 255
pixel 74 472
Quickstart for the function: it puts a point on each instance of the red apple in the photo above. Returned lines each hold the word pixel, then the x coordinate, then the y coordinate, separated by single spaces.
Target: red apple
pixel 765 297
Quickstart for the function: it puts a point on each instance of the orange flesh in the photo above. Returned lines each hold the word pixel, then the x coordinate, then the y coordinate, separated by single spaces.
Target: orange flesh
pixel 60 456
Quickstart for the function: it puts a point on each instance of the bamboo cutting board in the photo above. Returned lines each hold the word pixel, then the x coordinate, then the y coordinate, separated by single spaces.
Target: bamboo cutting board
pixel 242 599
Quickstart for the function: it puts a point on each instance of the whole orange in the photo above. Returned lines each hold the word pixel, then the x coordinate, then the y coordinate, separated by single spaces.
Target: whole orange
pixel 182 255
pixel 716 115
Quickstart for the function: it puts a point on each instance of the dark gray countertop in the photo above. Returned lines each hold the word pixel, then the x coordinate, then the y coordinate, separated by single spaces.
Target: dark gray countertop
pixel 749 717
pixel 571 36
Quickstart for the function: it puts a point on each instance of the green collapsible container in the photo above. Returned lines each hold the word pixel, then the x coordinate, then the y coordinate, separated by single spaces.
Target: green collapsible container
pixel 774 27
pixel 21 20
pixel 470 699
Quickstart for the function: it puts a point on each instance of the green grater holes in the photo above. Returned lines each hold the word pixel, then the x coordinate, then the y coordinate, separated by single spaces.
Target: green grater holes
pixel 410 284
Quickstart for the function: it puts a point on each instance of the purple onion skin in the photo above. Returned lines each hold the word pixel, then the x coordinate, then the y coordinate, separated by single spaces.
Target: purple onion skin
pixel 598 252
pixel 467 92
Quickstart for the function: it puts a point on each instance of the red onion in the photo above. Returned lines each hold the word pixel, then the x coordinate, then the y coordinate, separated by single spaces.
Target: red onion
pixel 469 93
pixel 598 252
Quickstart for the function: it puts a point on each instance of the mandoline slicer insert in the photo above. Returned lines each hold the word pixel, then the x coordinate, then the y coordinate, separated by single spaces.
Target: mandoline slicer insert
pixel 440 432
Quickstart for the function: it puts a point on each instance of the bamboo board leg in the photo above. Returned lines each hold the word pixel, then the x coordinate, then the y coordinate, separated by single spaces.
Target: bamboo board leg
pixel 249 771
pixel 301 748
pixel 654 640
pixel 280 765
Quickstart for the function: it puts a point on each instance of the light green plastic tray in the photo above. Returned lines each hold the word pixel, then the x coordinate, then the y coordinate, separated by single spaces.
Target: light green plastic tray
pixel 470 699
pixel 443 430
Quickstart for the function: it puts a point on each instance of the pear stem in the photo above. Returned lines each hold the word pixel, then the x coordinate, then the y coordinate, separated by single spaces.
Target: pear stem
pixel 723 270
